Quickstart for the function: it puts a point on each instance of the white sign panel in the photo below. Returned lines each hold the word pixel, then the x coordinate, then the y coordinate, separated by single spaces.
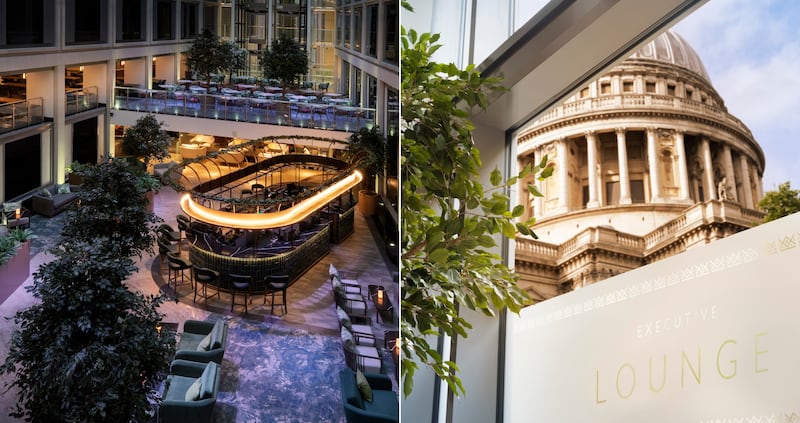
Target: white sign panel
pixel 710 335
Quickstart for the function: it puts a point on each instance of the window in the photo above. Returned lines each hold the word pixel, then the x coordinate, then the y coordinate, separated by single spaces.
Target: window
pixel 637 191
pixel 372 92
pixel 188 20
pixel 670 89
pixel 605 88
pixel 163 19
pixel 650 87
pixel 346 31
pixel 210 19
pixel 85 21
pixel 29 22
pixel 372 30
pixel 392 34
pixel 345 82
pixel 357 23
pixel 357 87
pixel 627 86
pixel 689 93
pixel 612 192
pixel 129 14
pixel 584 93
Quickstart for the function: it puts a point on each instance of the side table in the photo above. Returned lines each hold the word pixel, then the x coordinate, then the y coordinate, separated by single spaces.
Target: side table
pixel 382 303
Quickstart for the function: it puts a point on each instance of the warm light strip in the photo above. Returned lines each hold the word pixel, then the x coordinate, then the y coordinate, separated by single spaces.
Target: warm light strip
pixel 286 217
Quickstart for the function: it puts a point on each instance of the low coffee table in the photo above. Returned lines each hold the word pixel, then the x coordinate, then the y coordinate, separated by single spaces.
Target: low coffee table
pixel 383 306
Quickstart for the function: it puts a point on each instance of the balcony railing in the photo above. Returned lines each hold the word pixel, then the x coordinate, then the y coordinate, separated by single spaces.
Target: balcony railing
pixel 319 115
pixel 21 114
pixel 81 100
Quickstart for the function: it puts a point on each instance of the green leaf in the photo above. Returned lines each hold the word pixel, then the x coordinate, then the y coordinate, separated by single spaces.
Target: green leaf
pixel 495 178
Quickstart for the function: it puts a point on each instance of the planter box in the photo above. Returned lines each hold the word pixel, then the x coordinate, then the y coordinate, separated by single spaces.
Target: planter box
pixel 17 270
pixel 367 202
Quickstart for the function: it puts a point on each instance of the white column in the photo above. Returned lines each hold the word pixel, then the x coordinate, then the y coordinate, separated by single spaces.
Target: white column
pixel 624 176
pixel 538 204
pixel 563 176
pixel 748 191
pixel 709 188
pixel 652 160
pixel 683 170
pixel 591 162
pixel 62 137
pixel 730 175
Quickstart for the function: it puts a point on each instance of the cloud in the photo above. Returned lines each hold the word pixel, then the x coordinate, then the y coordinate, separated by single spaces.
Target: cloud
pixel 752 53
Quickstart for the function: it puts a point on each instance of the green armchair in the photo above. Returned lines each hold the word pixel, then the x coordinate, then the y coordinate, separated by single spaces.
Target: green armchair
pixel 203 341
pixel 384 407
pixel 190 392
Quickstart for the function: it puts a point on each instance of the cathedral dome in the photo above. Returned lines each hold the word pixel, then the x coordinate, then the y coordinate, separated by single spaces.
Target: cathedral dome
pixel 671 48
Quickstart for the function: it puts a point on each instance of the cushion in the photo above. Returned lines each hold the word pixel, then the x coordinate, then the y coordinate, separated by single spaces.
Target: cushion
pixel 207 380
pixel 12 206
pixel 348 340
pixel 216 334
pixel 46 193
pixel 63 189
pixel 193 393
pixel 363 386
pixel 337 286
pixel 344 319
pixel 205 344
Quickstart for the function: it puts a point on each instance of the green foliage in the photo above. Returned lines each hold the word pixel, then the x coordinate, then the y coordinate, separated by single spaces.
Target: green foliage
pixel 450 221
pixel 368 149
pixel 146 140
pixel 780 203
pixel 10 242
pixel 284 60
pixel 235 58
pixel 89 349
pixel 206 55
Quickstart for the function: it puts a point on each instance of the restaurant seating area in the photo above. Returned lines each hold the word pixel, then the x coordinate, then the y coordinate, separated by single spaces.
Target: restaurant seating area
pixel 244 102
pixel 279 353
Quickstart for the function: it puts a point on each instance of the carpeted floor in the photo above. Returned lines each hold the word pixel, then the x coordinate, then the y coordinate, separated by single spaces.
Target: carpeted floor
pixel 277 368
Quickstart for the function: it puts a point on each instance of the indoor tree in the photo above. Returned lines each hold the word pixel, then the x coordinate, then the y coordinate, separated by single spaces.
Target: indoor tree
pixel 781 202
pixel 206 55
pixel 235 57
pixel 89 349
pixel 450 220
pixel 146 140
pixel 284 60
pixel 367 149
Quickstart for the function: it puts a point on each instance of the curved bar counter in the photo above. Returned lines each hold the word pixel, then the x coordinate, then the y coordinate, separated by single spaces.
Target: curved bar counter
pixel 282 229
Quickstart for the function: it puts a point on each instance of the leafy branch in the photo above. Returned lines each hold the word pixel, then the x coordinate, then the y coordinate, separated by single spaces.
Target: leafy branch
pixel 451 223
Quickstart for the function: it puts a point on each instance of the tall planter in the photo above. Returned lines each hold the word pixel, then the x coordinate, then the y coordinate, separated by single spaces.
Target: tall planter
pixel 367 202
pixel 17 270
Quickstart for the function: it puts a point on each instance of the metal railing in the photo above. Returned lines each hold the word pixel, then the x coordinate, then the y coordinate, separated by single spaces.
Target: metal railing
pixel 319 115
pixel 81 100
pixel 21 114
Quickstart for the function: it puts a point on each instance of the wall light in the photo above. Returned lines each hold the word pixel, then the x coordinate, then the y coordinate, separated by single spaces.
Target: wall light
pixel 122 63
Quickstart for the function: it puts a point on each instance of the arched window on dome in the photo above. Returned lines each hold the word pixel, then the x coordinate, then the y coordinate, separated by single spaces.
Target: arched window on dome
pixel 669 171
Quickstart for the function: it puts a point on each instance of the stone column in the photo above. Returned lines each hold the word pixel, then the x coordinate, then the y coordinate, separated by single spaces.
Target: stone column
pixel 591 162
pixel 759 186
pixel 563 176
pixel 709 188
pixel 730 174
pixel 683 170
pixel 747 190
pixel 538 204
pixel 652 160
pixel 624 176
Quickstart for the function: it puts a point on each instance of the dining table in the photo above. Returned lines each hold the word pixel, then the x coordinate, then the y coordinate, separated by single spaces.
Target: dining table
pixel 339 101
pixel 262 94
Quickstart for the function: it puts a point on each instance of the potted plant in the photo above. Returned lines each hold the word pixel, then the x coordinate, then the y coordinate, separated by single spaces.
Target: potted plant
pixel 144 143
pixel 368 150
pixel 15 256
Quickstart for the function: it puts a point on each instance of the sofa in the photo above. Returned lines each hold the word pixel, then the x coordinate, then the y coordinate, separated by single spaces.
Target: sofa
pixel 56 202
pixel 190 392
pixel 202 341
pixel 384 406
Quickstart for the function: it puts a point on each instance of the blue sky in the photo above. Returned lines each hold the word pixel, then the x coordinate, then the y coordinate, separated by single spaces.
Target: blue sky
pixel 751 50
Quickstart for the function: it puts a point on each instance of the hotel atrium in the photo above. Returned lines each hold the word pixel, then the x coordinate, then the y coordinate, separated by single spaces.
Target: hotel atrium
pixel 259 171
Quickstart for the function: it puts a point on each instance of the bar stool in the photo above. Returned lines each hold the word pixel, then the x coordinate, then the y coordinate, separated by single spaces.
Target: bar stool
pixel 257 188
pixel 205 276
pixel 177 265
pixel 184 225
pixel 246 191
pixel 278 284
pixel 240 283
pixel 165 247
pixel 169 234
